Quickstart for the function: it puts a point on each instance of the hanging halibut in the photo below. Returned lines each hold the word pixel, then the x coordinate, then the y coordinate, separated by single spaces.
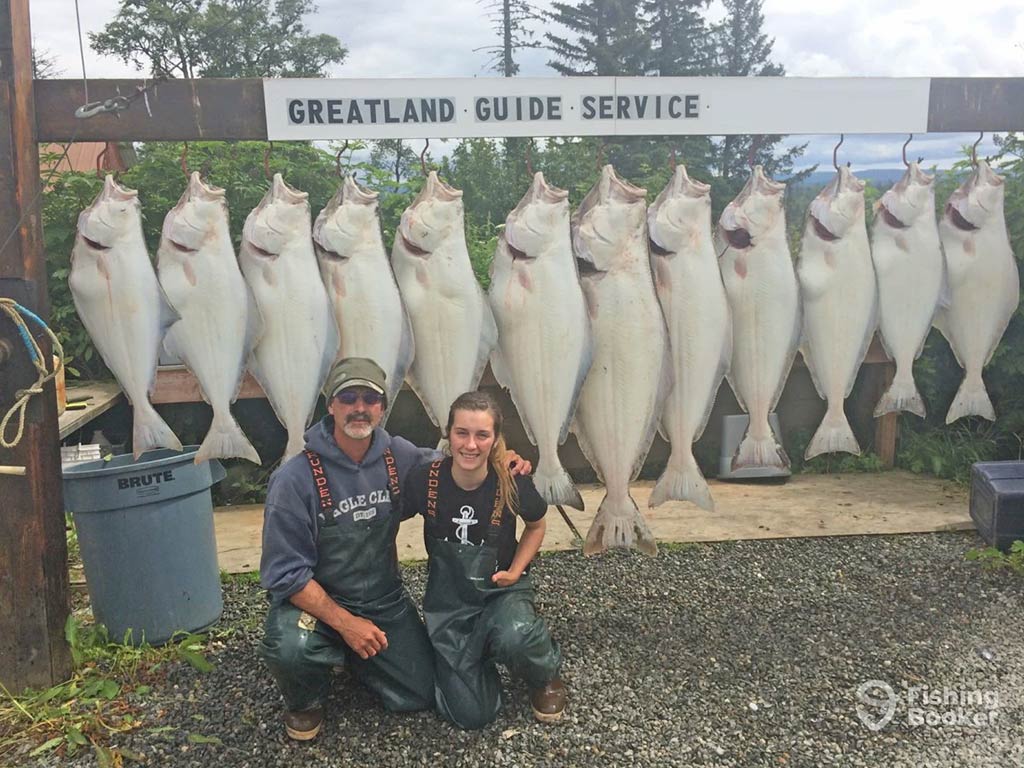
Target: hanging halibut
pixel 983 281
pixel 120 303
pixel 298 336
pixel 910 269
pixel 368 310
pixel 839 297
pixel 765 302
pixel 452 324
pixel 199 274
pixel 631 370
pixel 692 296
pixel 544 344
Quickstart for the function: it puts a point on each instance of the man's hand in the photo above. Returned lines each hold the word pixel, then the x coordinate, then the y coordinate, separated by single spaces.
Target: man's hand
pixel 363 636
pixel 517 465
pixel 505 578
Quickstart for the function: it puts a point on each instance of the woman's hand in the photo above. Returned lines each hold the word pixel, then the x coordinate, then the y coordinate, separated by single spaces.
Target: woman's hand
pixel 506 578
pixel 517 465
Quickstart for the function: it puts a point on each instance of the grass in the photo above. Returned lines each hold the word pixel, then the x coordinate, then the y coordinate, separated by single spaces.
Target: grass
pixel 993 559
pixel 98 701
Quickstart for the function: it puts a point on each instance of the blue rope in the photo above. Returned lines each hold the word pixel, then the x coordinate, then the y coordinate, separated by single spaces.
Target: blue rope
pixel 23 330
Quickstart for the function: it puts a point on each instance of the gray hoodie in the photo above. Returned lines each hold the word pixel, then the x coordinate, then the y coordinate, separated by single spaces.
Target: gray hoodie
pixel 290 529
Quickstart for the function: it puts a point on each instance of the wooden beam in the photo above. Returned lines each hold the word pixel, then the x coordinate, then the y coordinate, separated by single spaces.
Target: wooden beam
pixel 33 546
pixel 193 110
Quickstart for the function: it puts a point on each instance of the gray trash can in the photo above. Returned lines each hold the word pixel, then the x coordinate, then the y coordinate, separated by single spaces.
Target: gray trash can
pixel 145 531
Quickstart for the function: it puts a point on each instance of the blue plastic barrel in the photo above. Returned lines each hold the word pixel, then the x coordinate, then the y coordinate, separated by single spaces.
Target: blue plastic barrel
pixel 145 531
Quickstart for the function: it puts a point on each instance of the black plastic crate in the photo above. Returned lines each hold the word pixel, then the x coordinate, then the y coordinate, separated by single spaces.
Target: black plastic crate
pixel 997 501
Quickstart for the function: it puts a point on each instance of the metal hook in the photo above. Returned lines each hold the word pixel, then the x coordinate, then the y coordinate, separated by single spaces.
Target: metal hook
pixel 266 159
pixel 974 149
pixel 99 161
pixel 423 155
pixel 337 159
pixel 184 158
pixel 835 149
pixel 672 160
pixel 910 138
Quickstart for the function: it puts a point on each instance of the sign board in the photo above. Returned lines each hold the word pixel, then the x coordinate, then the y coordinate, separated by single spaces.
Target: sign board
pixel 307 109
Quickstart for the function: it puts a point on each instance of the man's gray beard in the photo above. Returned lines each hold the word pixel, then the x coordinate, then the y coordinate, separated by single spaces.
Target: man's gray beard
pixel 357 430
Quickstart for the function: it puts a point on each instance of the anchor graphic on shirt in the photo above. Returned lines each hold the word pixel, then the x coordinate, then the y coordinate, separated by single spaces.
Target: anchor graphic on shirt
pixel 466 519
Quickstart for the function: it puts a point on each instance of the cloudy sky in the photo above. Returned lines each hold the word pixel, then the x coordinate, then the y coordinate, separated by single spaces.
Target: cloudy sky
pixel 441 38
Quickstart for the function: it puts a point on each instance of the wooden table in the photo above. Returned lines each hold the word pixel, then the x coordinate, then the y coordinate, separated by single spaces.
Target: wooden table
pixel 103 395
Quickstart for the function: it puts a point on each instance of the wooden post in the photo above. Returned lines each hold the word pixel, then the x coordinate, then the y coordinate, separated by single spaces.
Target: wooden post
pixel 33 548
pixel 886 425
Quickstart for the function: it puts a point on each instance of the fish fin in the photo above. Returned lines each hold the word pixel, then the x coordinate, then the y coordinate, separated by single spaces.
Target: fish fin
pixel 150 431
pixel 586 360
pixel 488 339
pixel 736 392
pixel 556 487
pixel 901 396
pixel 585 448
pixel 504 380
pixel 168 314
pixel 411 378
pixel 296 445
pixel 832 436
pixel 724 363
pixel 794 343
pixel 805 353
pixel 766 452
pixel 331 342
pixel 971 400
pixel 619 528
pixel 664 387
pixel 253 320
pixel 225 440
pixel 406 353
pixel 682 482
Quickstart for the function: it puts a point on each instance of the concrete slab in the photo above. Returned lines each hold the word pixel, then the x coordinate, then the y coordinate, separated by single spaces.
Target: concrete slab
pixel 806 505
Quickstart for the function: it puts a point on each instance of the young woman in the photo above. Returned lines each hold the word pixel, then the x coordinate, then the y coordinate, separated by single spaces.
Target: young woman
pixel 478 605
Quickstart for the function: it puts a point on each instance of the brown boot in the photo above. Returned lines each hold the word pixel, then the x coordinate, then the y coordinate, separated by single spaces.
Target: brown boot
pixel 549 702
pixel 304 725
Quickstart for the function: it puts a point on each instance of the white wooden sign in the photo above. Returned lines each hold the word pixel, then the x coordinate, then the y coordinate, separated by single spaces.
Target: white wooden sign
pixel 591 106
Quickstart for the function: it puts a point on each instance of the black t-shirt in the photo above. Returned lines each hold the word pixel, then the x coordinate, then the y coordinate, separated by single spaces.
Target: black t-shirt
pixel 464 516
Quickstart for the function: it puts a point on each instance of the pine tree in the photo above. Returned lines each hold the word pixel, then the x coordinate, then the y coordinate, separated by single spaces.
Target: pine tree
pixel 742 49
pixel 679 38
pixel 509 19
pixel 607 39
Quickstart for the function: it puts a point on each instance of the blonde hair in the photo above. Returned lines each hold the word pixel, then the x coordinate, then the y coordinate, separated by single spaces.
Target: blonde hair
pixel 498 457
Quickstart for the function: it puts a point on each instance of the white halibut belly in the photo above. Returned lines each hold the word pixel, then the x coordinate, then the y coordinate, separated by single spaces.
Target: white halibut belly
pixel 838 292
pixel 619 397
pixel 765 315
pixel 910 270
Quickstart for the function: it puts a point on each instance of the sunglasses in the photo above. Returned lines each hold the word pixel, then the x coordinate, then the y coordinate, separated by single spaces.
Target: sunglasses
pixel 351 396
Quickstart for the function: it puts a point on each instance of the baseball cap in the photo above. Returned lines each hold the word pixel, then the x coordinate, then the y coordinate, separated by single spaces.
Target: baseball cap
pixel 354 372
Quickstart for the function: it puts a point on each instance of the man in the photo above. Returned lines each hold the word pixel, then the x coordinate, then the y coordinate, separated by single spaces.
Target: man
pixel 330 562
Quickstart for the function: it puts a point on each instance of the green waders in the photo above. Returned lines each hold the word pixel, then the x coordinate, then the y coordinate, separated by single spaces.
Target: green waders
pixel 357 566
pixel 474 623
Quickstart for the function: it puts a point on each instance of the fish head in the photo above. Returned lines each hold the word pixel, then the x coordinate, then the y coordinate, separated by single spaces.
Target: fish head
pixel 838 207
pixel 613 212
pixel 680 215
pixel 113 215
pixel 349 219
pixel 200 215
pixel 755 212
pixel 532 225
pixel 910 198
pixel 281 217
pixel 976 200
pixel 434 216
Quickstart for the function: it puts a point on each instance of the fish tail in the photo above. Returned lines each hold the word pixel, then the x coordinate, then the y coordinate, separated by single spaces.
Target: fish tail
pixel 901 396
pixel 226 440
pixel 619 524
pixel 832 436
pixel 555 486
pixel 150 431
pixel 296 445
pixel 971 400
pixel 760 452
pixel 682 482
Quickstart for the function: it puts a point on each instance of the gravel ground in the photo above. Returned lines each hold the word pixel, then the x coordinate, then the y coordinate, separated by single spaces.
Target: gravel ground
pixel 732 654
